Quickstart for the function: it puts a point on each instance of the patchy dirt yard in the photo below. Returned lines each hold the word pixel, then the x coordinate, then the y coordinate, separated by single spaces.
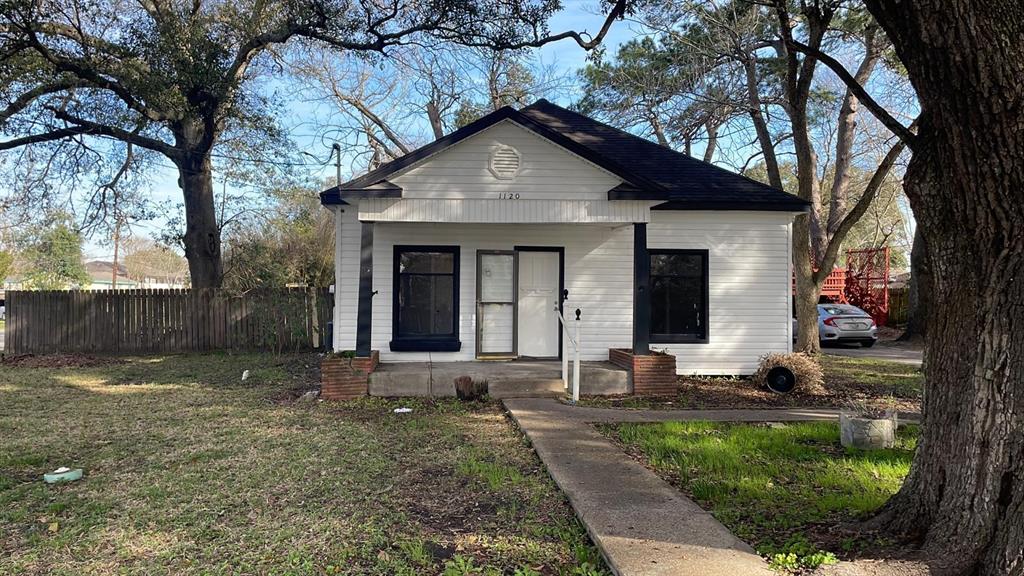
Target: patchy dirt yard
pixel 191 470
pixel 874 382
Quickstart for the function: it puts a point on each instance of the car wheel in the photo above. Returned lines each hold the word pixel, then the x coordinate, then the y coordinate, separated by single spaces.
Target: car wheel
pixel 867 343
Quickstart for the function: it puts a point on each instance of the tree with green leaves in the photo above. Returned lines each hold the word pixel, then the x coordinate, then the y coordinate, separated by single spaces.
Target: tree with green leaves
pixel 661 89
pixel 289 244
pixel 177 78
pixel 52 258
pixel 6 263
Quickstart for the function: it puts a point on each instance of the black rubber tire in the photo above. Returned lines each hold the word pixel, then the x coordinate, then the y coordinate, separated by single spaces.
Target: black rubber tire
pixel 780 380
pixel 867 343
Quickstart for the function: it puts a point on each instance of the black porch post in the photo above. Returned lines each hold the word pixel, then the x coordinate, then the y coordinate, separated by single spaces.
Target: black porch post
pixel 364 323
pixel 641 296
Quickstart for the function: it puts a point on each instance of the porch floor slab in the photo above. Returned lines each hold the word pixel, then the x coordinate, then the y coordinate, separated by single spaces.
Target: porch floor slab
pixel 641 524
pixel 505 379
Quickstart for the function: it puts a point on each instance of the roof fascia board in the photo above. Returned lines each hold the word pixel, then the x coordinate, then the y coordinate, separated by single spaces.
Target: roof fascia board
pixel 796 207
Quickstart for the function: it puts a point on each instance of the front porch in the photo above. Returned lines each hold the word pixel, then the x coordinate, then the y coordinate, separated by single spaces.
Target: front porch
pixel 509 379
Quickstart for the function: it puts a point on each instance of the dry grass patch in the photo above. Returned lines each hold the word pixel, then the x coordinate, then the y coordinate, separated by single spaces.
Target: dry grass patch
pixel 190 470
pixel 877 383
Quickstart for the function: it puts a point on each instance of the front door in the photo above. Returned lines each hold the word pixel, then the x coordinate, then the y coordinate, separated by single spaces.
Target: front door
pixel 496 303
pixel 537 318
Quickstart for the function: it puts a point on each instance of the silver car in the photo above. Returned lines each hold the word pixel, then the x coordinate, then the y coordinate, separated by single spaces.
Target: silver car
pixel 846 324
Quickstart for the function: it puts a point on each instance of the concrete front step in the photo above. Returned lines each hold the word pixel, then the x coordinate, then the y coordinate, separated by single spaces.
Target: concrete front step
pixel 515 379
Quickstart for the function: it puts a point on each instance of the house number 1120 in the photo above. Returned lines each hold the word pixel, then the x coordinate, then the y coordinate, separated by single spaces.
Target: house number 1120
pixel 508 196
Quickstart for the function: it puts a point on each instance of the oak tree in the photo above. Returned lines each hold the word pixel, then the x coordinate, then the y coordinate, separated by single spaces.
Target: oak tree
pixel 174 76
pixel 964 497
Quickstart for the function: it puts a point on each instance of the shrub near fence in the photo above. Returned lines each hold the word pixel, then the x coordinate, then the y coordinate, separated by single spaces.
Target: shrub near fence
pixel 166 321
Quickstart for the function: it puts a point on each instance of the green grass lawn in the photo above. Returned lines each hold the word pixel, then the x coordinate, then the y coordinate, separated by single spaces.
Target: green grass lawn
pixel 190 470
pixel 871 374
pixel 787 490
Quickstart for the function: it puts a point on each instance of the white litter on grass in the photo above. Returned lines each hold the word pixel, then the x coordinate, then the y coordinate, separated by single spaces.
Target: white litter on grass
pixel 63 474
pixel 245 376
pixel 403 410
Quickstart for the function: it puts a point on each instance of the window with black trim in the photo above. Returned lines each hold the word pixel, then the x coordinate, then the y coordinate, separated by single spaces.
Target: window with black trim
pixel 679 295
pixel 425 315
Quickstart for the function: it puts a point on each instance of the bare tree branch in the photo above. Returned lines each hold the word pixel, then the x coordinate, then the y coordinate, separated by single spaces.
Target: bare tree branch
pixel 97 129
pixel 25 100
pixel 858 211
pixel 894 125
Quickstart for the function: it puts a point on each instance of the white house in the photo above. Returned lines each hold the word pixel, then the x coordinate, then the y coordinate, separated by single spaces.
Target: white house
pixel 465 248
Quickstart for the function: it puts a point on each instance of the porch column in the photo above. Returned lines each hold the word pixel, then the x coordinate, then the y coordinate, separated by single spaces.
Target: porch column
pixel 336 344
pixel 641 296
pixel 363 319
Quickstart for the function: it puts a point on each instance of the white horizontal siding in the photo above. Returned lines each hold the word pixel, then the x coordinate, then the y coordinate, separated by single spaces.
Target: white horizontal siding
pixel 749 283
pixel 495 211
pixel 346 282
pixel 547 171
pixel 598 264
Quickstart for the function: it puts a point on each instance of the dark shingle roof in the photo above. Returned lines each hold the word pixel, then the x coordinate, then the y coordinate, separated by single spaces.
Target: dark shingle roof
pixel 651 171
pixel 684 180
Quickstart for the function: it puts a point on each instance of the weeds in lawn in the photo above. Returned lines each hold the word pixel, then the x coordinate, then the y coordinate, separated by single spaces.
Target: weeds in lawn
pixel 774 485
pixel 190 470
pixel 494 474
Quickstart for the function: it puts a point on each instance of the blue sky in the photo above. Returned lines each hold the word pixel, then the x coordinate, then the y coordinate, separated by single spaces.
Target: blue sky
pixel 567 56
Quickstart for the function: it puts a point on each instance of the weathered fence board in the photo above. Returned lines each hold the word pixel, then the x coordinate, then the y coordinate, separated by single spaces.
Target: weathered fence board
pixel 899 306
pixel 141 321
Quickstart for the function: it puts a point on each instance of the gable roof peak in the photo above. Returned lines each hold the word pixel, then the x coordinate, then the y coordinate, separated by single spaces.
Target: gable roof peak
pixel 657 172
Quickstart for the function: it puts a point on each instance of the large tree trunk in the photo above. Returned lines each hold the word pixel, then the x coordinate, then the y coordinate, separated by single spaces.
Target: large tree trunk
pixel 202 233
pixel 434 115
pixel 918 295
pixel 764 136
pixel 807 292
pixel 964 496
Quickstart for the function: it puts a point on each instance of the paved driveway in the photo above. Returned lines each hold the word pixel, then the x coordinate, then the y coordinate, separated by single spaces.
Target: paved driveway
pixel 880 351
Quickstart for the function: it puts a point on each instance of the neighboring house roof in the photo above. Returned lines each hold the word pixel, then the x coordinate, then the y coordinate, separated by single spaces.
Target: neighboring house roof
pixel 100 271
pixel 649 171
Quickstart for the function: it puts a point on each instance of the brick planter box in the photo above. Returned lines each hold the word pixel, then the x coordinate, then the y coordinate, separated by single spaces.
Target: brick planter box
pixel 652 374
pixel 342 378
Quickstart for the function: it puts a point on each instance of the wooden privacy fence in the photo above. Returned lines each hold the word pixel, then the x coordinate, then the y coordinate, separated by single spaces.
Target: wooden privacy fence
pixel 899 306
pixel 165 321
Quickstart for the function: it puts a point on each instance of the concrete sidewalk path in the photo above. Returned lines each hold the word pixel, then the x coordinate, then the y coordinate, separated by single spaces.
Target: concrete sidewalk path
pixel 641 524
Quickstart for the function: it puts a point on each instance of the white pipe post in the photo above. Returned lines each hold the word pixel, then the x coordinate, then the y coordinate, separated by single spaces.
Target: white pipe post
pixel 564 331
pixel 565 357
pixel 576 363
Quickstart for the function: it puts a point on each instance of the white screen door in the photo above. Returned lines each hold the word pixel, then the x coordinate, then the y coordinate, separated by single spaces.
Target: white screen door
pixel 538 295
pixel 495 303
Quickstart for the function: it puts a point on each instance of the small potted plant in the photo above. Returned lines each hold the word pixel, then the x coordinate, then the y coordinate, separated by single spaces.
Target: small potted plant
pixel 868 427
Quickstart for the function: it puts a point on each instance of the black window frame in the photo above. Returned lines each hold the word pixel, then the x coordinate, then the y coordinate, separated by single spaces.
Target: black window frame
pixel 705 279
pixel 442 343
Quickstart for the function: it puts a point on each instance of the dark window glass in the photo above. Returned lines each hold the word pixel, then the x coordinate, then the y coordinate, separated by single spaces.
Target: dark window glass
pixel 426 294
pixel 427 263
pixel 678 296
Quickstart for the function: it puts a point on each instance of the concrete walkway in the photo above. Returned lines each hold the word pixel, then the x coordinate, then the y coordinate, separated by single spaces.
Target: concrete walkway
pixel 641 524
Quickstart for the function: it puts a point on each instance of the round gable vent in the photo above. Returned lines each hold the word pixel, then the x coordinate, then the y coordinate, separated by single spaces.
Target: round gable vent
pixel 505 161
